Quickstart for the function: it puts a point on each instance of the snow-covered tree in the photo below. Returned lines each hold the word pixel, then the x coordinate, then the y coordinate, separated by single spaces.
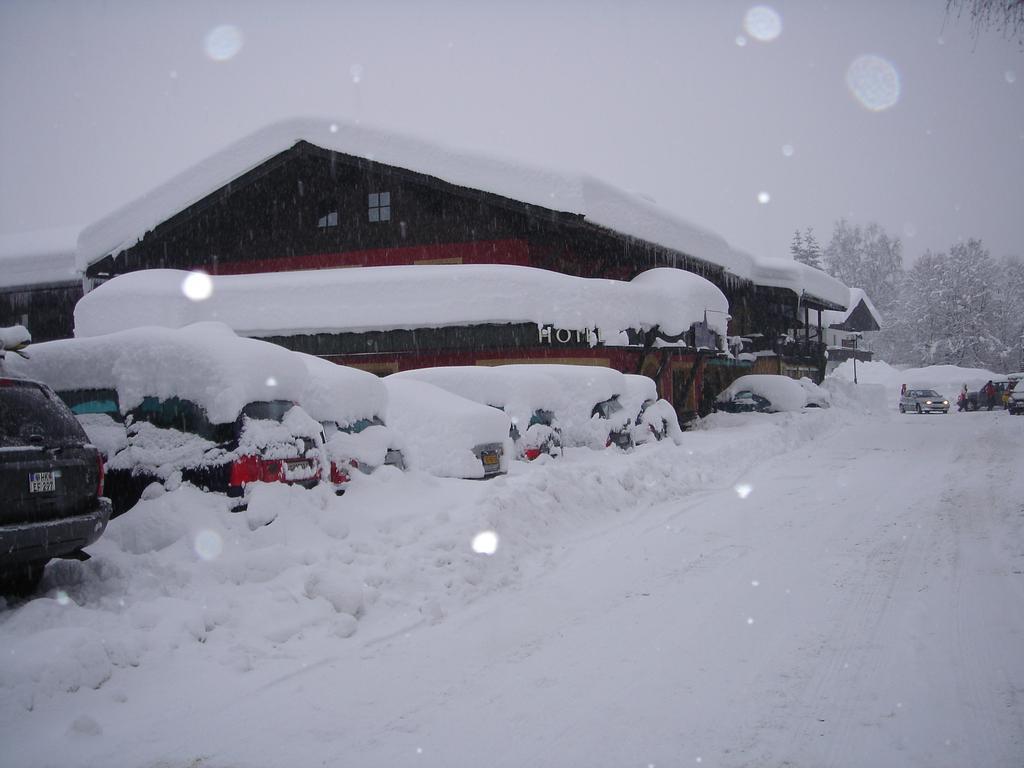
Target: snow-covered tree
pixel 812 251
pixel 796 248
pixel 1006 16
pixel 868 258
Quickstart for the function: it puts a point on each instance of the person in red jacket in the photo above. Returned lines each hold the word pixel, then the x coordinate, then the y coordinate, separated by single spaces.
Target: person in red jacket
pixel 989 393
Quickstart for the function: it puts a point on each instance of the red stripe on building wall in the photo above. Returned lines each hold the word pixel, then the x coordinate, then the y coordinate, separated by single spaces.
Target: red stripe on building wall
pixel 478 252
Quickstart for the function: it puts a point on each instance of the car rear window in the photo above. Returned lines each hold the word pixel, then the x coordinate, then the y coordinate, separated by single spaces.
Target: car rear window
pixel 32 415
pixel 184 416
pixel 272 410
pixel 82 401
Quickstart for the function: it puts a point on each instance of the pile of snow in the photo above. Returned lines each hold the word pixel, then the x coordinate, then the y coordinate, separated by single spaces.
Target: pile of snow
pixel 947 380
pixel 598 202
pixel 205 363
pixel 420 296
pixel 13 337
pixel 181 580
pixel 440 431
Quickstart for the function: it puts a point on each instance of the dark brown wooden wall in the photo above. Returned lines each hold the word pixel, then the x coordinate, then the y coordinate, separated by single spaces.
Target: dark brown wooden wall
pixel 49 309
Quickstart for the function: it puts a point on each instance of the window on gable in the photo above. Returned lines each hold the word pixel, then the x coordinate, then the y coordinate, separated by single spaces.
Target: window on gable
pixel 327 220
pixel 380 206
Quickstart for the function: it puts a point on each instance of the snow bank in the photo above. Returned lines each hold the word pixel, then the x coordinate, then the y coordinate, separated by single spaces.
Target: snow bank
pixel 440 430
pixel 205 363
pixel 947 380
pixel 14 337
pixel 421 296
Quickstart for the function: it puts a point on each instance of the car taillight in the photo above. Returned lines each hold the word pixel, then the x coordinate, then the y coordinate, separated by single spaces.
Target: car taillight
pixel 338 475
pixel 245 469
pixel 532 453
pixel 99 473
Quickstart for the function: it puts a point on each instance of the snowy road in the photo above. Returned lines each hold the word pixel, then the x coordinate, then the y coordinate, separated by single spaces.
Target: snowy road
pixel 862 606
pixel 855 601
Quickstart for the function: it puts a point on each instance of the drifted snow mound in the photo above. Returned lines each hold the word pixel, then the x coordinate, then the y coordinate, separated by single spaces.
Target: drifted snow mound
pixel 946 379
pixel 181 582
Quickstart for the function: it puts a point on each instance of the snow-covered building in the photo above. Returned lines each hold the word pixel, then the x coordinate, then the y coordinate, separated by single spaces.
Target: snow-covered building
pixel 316 194
pixel 845 331
pixel 664 322
pixel 39 282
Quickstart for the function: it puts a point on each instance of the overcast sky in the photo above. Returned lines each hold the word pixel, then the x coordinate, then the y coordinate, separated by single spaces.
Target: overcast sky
pixel 745 123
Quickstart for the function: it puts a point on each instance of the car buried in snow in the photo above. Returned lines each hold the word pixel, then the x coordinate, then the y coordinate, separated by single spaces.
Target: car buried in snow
pixel 527 396
pixel 349 404
pixel 770 393
pixel 446 435
pixel 923 401
pixel 195 405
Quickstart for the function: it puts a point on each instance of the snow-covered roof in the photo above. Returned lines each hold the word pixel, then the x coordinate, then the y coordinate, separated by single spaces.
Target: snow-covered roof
pixel 830 318
pixel 205 363
pixel 580 194
pixel 34 258
pixel 422 296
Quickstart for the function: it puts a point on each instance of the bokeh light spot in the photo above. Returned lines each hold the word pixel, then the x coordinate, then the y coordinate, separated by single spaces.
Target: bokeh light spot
pixel 1011 76
pixel 741 40
pixel 750 620
pixel 208 545
pixel 743 490
pixel 271 381
pixel 62 597
pixel 763 23
pixel 764 198
pixel 356 70
pixel 874 82
pixel 223 42
pixel 197 286
pixel 787 150
pixel 485 543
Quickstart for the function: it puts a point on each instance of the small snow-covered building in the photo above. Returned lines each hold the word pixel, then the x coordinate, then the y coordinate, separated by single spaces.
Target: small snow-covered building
pixel 39 282
pixel 664 322
pixel 844 331
pixel 316 194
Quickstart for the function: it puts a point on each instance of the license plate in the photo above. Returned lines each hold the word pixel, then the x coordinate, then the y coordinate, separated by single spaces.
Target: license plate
pixel 301 467
pixel 42 482
pixel 490 458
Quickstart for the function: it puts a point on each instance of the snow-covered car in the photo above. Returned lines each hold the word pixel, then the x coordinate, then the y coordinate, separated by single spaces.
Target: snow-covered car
pixel 447 435
pixel 923 401
pixel 51 484
pixel 349 404
pixel 817 397
pixel 589 408
pixel 197 404
pixel 1016 402
pixel 656 419
pixel 768 393
pixel 528 397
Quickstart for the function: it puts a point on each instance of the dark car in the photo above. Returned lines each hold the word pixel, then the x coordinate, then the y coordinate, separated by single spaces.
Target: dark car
pixel 51 484
pixel 269 441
